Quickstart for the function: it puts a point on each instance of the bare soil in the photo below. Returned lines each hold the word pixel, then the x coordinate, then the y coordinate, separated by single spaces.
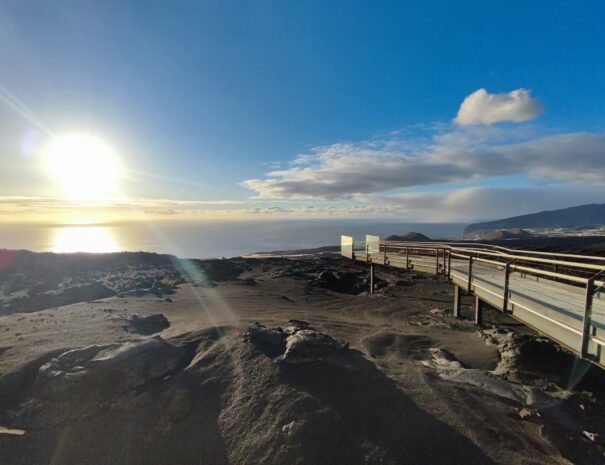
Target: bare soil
pixel 220 399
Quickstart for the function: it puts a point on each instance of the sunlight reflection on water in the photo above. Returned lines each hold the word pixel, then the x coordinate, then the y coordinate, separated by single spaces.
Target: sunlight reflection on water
pixel 95 239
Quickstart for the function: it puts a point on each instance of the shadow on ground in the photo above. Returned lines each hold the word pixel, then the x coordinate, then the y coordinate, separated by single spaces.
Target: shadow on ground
pixel 379 422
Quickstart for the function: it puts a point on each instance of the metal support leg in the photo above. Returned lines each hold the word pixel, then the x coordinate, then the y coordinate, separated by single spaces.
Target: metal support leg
pixel 371 278
pixel 587 320
pixel 478 311
pixel 470 274
pixel 506 285
pixel 456 301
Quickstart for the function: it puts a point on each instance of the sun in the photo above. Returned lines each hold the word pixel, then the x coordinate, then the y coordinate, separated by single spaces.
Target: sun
pixel 85 167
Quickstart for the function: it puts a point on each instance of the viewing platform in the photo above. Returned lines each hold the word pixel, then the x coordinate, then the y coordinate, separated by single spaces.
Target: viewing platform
pixel 559 295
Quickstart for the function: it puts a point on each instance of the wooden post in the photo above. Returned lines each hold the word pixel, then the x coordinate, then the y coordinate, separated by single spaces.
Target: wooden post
pixel 470 273
pixel 506 280
pixel 371 278
pixel 456 301
pixel 586 322
pixel 367 252
pixel 407 258
pixel 449 263
pixel 385 254
pixel 436 261
pixel 478 311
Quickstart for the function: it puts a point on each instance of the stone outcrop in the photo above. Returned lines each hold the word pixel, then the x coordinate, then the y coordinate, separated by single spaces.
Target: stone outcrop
pixel 299 342
pixel 110 367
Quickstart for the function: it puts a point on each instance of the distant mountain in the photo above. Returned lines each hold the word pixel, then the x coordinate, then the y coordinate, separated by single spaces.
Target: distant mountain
pixel 506 234
pixel 582 216
pixel 409 236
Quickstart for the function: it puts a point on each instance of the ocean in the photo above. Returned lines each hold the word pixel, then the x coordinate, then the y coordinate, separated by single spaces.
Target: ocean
pixel 207 239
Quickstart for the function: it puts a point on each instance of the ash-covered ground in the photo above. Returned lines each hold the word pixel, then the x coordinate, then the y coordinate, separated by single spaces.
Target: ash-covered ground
pixel 139 358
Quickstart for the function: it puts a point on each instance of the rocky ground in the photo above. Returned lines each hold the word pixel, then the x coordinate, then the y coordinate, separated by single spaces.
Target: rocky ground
pixel 143 358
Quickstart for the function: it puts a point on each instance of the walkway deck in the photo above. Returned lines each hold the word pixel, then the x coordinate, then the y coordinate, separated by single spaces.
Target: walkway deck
pixel 560 295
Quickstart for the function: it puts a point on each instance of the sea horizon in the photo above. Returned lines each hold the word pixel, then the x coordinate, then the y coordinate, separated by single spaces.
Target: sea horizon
pixel 207 238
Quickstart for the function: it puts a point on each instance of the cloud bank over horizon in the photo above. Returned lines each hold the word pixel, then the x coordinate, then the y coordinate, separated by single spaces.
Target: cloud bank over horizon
pixel 462 205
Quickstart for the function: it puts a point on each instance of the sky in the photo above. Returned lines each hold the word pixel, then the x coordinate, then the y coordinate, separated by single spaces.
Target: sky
pixel 429 111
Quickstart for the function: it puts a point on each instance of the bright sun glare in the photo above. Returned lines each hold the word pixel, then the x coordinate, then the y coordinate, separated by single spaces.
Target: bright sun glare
pixel 85 167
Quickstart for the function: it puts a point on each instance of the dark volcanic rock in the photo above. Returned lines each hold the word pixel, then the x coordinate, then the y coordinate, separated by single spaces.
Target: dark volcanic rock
pixel 149 324
pixel 299 342
pixel 17 383
pixel 85 382
pixel 109 367
pixel 327 277
pixel 57 298
pixel 261 334
pixel 348 283
pixel 309 345
pixel 157 287
pixel 219 270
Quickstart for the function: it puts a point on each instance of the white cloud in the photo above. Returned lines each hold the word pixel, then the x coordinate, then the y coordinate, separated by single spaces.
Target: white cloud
pixel 481 107
pixel 340 171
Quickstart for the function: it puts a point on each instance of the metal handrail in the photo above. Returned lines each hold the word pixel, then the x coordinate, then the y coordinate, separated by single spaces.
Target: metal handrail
pixel 515 256
pixel 478 246
pixel 588 266
pixel 469 245
pixel 508 261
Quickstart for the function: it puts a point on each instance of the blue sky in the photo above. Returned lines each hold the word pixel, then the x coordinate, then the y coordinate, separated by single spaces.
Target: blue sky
pixel 203 100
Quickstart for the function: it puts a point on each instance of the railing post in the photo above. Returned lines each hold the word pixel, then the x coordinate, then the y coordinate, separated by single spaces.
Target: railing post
pixel 367 252
pixel 470 273
pixel 436 261
pixel 371 278
pixel 478 311
pixel 586 323
pixel 407 258
pixel 456 301
pixel 449 264
pixel 385 254
pixel 506 281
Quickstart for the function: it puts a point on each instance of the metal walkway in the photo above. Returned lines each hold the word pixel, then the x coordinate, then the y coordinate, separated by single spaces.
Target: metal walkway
pixel 559 295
